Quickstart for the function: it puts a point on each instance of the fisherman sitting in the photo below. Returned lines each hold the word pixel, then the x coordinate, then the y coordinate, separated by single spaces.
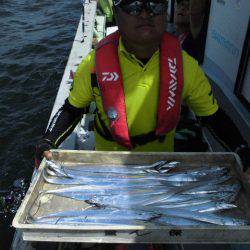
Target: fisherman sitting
pixel 138 78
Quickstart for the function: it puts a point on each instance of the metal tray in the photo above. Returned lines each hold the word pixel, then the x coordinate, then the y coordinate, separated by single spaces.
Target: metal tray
pixel 128 233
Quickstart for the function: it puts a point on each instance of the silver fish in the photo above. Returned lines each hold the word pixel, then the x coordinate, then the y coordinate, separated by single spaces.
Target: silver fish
pixel 137 195
pixel 180 198
pixel 126 197
pixel 174 191
pixel 126 201
pixel 96 216
pixel 168 197
pixel 161 179
pixel 182 204
pixel 56 168
pixel 207 171
pixel 177 221
pixel 220 196
pixel 107 182
pixel 102 214
pixel 191 176
pixel 54 173
pixel 210 188
pixel 80 193
pixel 91 221
pixel 203 217
pixel 158 167
pixel 168 167
pixel 152 166
pixel 93 172
pixel 202 206
pixel 212 207
pixel 96 169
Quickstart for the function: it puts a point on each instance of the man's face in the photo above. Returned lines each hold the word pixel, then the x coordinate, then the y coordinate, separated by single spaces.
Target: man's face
pixel 142 28
pixel 181 15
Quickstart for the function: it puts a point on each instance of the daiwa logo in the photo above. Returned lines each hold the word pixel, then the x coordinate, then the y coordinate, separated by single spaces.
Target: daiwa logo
pixel 173 83
pixel 109 76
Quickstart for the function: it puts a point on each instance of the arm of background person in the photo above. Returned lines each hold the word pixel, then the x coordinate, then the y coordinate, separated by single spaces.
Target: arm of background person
pixel 197 14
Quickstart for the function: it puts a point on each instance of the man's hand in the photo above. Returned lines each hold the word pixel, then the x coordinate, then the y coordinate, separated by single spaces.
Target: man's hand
pixel 43 150
pixel 47 155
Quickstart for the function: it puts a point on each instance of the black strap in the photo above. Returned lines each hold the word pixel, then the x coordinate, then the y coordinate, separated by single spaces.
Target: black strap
pixel 135 140
pixel 146 138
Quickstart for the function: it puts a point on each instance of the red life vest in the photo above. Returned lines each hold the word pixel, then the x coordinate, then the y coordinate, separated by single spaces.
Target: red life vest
pixel 110 83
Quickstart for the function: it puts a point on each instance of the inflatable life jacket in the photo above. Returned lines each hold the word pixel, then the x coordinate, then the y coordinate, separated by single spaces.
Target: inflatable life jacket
pixel 108 78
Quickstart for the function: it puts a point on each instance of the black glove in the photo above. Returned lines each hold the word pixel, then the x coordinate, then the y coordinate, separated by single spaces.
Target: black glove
pixel 244 153
pixel 42 145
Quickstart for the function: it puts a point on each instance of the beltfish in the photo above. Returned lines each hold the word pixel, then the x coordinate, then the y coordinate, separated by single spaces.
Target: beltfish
pixel 106 196
pixel 147 180
pixel 103 214
pixel 91 221
pixel 172 195
pixel 174 191
pixel 181 204
pixel 220 196
pixel 99 174
pixel 207 170
pixel 190 175
pixel 212 207
pixel 159 167
pixel 209 189
pixel 199 206
pixel 104 183
pixel 80 193
pixel 177 221
pixel 123 200
pixel 109 182
pixel 56 168
pixel 105 168
pixel 203 217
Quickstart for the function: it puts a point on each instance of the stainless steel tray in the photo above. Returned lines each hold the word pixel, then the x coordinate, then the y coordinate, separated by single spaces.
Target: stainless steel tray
pixel 128 233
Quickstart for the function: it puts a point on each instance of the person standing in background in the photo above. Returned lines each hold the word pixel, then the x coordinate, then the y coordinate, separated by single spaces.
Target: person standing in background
pixel 190 18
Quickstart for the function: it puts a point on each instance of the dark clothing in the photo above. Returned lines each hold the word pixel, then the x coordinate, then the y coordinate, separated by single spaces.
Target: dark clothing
pixel 194 47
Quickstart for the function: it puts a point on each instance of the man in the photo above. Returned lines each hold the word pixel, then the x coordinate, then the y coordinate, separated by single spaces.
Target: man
pixel 138 79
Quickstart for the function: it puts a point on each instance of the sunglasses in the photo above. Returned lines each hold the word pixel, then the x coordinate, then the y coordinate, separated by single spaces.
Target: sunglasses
pixel 135 8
